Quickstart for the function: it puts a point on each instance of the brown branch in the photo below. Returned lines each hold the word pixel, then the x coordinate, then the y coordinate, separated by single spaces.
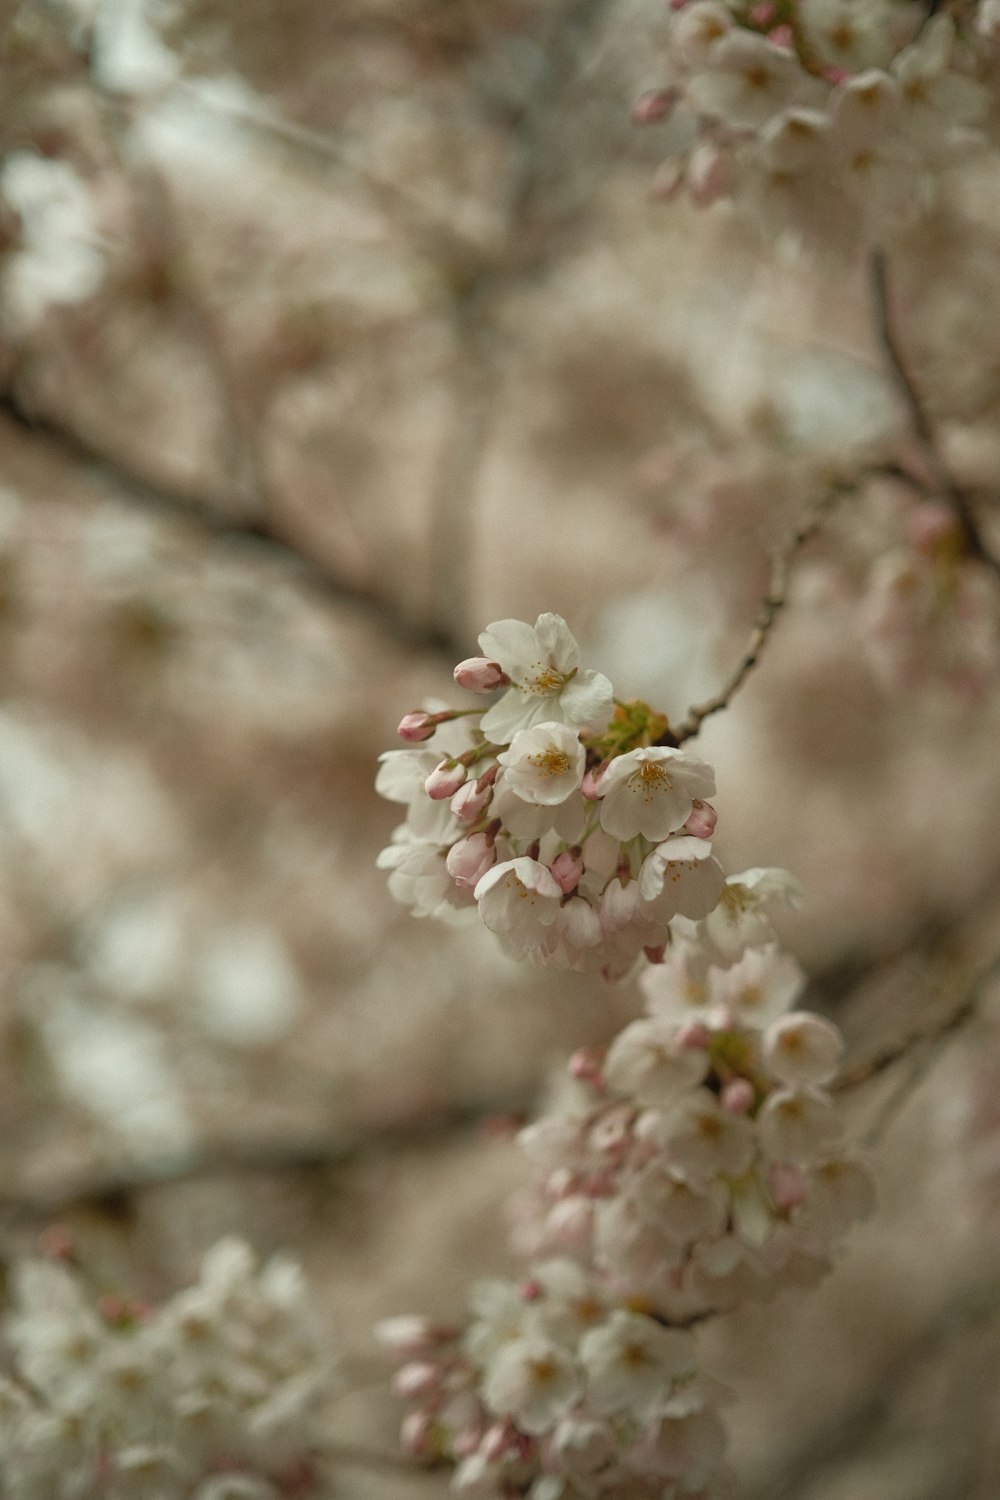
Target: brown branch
pixel 258 532
pixel 771 607
pixel 923 428
pixel 939 1033
pixel 112 1188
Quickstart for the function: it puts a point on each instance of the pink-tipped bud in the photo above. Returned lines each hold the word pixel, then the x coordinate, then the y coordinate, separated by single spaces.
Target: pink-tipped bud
pixel 788 1187
pixel 415 1434
pixel 585 1066
pixel 466 1442
pixel 701 820
pixel 470 858
pixel 782 36
pixel 590 786
pixel 656 954
pixel 417 1379
pixel 530 1290
pixel 496 1441
pixel 738 1096
pixel 56 1243
pixel 410 1334
pixel 417 725
pixel 470 800
pixel 567 868
pixel 763 14
pixel 693 1034
pixel 836 76
pixel 931 523
pixel 709 174
pixel 480 675
pixel 653 106
pixel 445 780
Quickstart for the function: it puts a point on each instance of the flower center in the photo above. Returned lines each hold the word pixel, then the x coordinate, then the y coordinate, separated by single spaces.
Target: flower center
pixel 551 762
pixel 543 681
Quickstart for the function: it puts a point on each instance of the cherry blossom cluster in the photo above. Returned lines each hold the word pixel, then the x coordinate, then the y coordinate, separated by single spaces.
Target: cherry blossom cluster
pixel 829 118
pixel 211 1396
pixel 555 1390
pixel 930 612
pixel 699 1163
pixel 573 822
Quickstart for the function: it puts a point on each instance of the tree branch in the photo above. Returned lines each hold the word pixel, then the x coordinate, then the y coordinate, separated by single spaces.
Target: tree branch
pixel 257 532
pixel 950 490
pixel 771 607
pixel 112 1188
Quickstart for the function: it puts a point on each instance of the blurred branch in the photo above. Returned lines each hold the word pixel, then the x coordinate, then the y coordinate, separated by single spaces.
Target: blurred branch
pixel 112 1188
pixel 258 532
pixel 933 1036
pixel 856 1430
pixel 920 422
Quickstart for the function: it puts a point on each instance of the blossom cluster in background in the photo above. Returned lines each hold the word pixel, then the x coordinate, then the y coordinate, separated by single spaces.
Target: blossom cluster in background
pixel 211 1396
pixel 828 118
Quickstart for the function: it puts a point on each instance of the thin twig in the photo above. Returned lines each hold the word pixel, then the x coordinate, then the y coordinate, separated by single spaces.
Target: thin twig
pixel 771 606
pixel 920 421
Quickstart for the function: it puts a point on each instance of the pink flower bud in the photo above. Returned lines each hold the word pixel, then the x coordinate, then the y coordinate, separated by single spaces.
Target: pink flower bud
pixel 694 1034
pixel 417 1379
pixel 701 820
pixel 585 1066
pixel 709 174
pixel 414 1434
pixel 764 13
pixel 657 104
pixel 480 675
pixel 931 523
pixel 410 1334
pixel 496 1441
pixel 782 36
pixel 445 780
pixel 569 1223
pixel 590 786
pixel 470 858
pixel 738 1096
pixel 567 869
pixel 656 954
pixel 417 725
pixel 470 800
pixel 530 1291
pixel 466 1442
pixel 788 1187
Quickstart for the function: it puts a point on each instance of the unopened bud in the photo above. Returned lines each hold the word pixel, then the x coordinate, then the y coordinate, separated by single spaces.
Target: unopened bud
pixel 694 1034
pixel 709 174
pixel 480 675
pixel 530 1290
pixel 738 1096
pixel 567 868
pixel 470 858
pixel 655 105
pixel 445 780
pixel 656 954
pixel 585 1066
pixel 415 1434
pixel 591 783
pixel 470 800
pixel 496 1441
pixel 411 1334
pixel 417 725
pixel 701 820
pixel 417 1379
pixel 788 1187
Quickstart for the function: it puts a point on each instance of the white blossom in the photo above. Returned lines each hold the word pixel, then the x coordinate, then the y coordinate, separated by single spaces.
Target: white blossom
pixel 652 791
pixel 544 764
pixel 542 662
